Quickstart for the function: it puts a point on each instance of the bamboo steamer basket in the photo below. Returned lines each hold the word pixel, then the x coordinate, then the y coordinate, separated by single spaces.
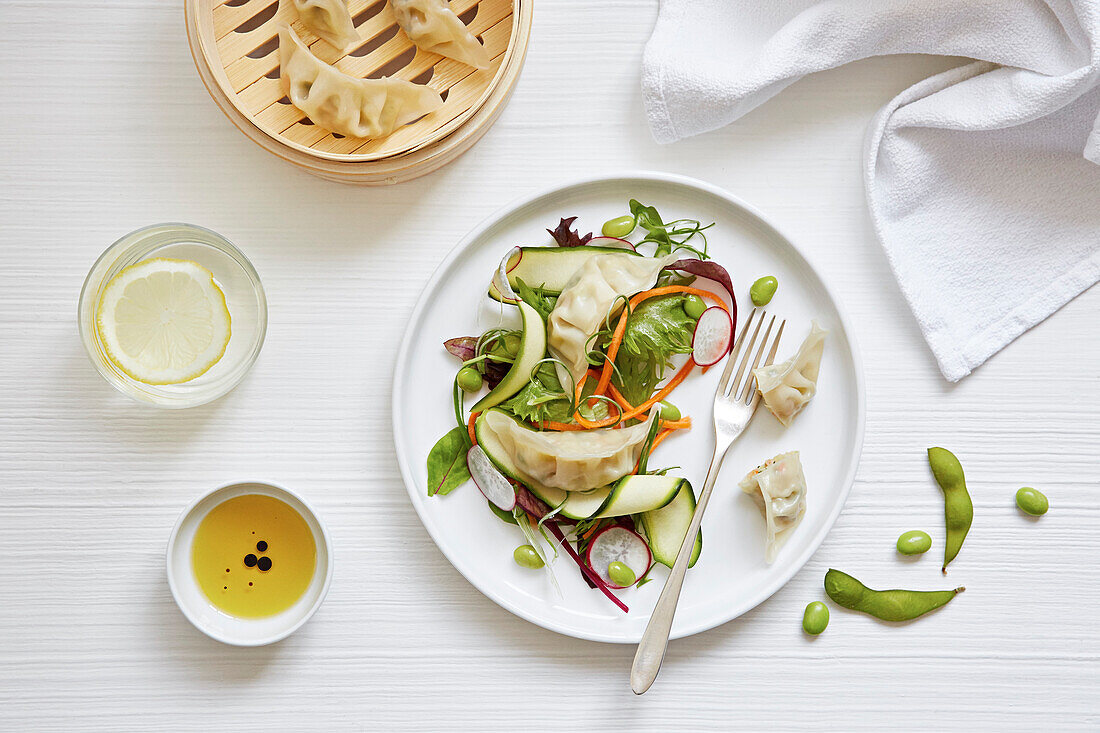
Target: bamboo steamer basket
pixel 235 47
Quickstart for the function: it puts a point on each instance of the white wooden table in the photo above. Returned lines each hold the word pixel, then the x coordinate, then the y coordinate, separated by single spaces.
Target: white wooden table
pixel 107 128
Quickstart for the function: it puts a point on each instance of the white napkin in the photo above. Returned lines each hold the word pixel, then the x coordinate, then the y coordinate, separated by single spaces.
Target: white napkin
pixel 982 182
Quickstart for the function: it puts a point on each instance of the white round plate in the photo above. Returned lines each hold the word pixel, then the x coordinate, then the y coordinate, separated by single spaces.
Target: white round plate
pixel 731 576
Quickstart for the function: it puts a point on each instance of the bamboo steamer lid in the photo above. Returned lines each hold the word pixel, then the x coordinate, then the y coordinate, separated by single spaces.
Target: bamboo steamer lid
pixel 235 47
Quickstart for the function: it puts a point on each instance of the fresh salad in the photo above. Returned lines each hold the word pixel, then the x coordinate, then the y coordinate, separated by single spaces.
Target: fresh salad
pixel 572 402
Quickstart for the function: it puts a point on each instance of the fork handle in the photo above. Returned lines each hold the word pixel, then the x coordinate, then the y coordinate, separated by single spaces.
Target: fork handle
pixel 651 649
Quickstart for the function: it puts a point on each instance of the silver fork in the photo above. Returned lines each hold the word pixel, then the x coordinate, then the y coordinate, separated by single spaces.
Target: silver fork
pixel 734 404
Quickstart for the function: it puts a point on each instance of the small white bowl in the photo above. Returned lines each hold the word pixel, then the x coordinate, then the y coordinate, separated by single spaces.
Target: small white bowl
pixel 202 613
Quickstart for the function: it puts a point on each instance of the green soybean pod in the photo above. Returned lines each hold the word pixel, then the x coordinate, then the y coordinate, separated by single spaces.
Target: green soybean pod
pixel 526 557
pixel 763 290
pixel 1032 501
pixel 619 227
pixel 888 605
pixel 958 509
pixel 914 542
pixel 815 618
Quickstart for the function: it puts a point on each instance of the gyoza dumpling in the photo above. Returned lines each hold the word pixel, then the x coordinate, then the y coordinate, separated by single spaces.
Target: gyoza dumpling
pixel 592 293
pixel 787 387
pixel 328 19
pixel 779 490
pixel 344 104
pixel 570 460
pixel 433 26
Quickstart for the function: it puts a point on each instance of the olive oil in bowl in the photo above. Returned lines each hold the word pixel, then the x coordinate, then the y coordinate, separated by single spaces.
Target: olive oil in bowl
pixel 249 563
pixel 253 556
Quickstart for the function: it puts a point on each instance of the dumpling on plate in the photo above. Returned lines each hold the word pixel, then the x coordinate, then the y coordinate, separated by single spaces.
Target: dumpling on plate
pixel 787 387
pixel 571 460
pixel 345 104
pixel 433 26
pixel 329 20
pixel 779 489
pixel 595 292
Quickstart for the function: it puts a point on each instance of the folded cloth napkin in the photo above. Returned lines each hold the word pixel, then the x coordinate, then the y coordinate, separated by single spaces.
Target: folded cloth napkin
pixel 983 182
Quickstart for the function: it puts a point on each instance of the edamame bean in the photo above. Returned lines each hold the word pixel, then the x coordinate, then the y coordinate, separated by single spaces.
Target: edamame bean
pixel 1032 501
pixel 670 411
pixel 469 379
pixel 888 605
pixel 619 227
pixel 621 574
pixel 816 618
pixel 505 345
pixel 763 290
pixel 694 306
pixel 526 557
pixel 914 542
pixel 958 509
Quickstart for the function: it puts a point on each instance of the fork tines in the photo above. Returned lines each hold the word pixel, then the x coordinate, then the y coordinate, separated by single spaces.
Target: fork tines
pixel 735 388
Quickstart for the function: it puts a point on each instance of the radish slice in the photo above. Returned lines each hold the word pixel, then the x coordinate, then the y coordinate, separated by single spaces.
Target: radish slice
pixel 611 243
pixel 500 278
pixel 618 544
pixel 489 480
pixel 713 337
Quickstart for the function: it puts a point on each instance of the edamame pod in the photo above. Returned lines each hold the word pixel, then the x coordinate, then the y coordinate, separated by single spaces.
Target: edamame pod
pixel 888 605
pixel 958 509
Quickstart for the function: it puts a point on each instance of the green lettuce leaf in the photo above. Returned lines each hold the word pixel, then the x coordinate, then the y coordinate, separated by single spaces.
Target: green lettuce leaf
pixel 447 462
pixel 657 330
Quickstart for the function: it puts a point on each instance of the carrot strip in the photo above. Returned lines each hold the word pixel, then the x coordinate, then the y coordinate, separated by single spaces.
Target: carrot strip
pixel 669 289
pixel 470 427
pixel 660 438
pixel 559 426
pixel 617 396
pixel 681 424
pixel 591 531
pixel 620 328
pixel 680 376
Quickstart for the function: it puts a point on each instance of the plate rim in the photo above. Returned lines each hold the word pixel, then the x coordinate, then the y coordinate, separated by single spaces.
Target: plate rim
pixel 649 176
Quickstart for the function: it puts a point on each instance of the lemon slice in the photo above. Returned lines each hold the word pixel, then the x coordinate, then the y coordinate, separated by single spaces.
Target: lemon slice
pixel 163 321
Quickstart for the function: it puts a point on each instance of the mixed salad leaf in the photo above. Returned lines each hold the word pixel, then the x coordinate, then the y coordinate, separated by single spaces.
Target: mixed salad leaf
pixel 656 331
pixel 630 316
pixel 566 236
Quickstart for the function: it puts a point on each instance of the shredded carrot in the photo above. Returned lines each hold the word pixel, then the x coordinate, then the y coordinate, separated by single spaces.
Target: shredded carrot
pixel 660 438
pixel 470 427
pixel 615 394
pixel 591 531
pixel 559 426
pixel 680 376
pixel 620 328
pixel 681 424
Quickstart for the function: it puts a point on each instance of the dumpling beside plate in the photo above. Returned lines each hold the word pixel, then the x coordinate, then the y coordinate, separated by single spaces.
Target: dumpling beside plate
pixel 779 490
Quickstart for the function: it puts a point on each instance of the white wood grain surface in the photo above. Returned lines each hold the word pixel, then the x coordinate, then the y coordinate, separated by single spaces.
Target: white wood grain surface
pixel 107 128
